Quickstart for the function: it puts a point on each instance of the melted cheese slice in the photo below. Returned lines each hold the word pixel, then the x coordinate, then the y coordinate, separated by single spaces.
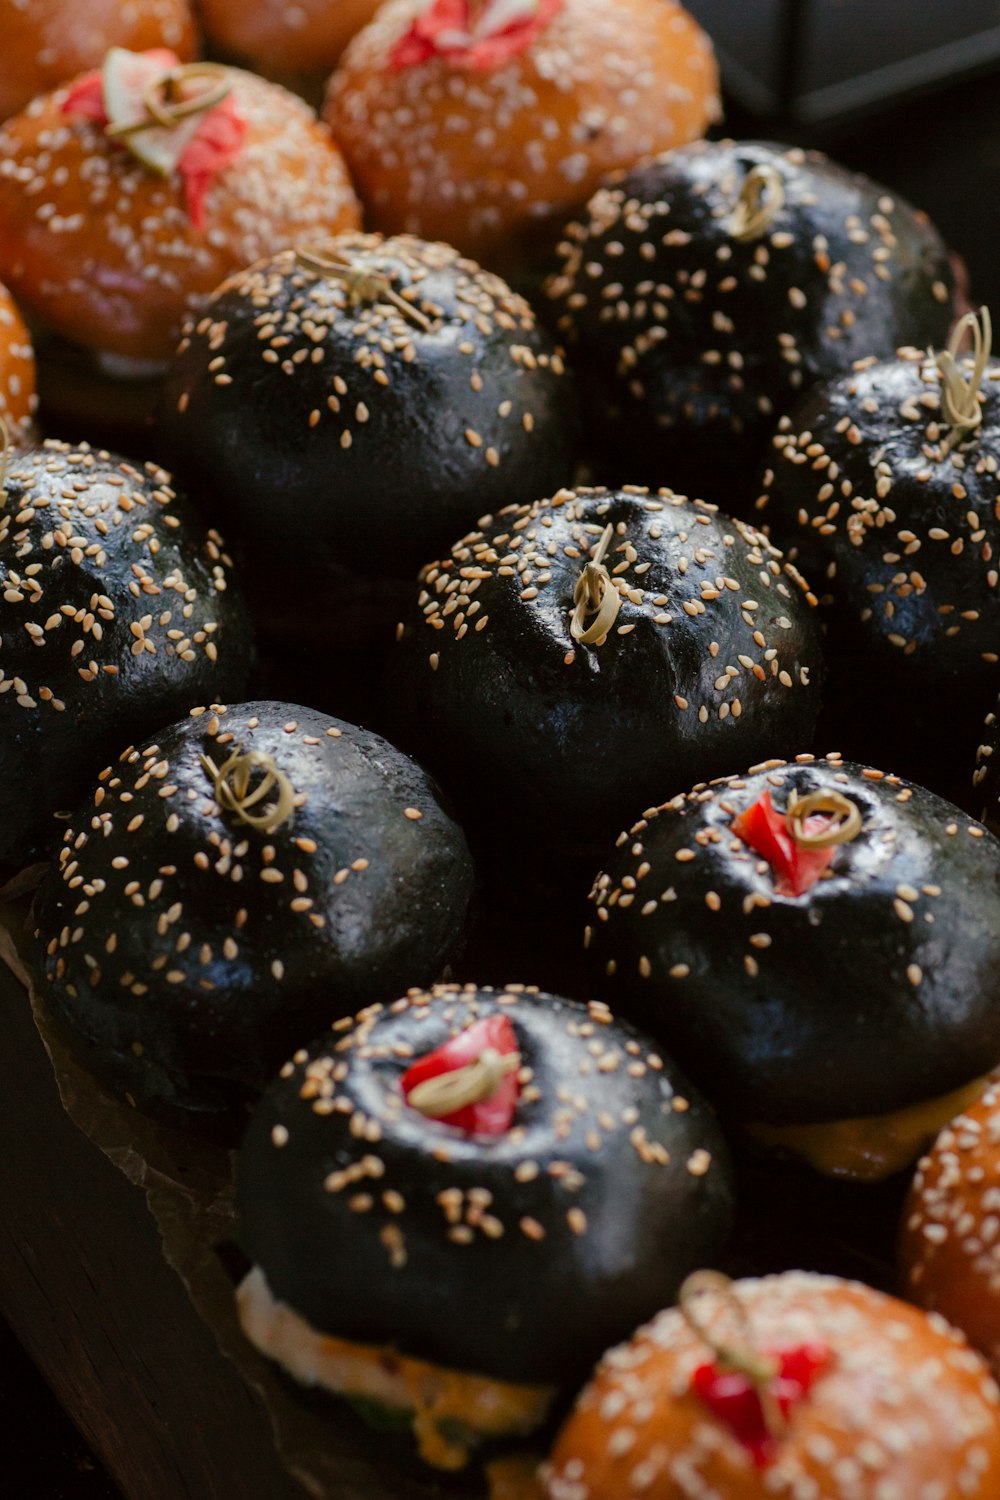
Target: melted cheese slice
pixel 871 1148
pixel 451 1409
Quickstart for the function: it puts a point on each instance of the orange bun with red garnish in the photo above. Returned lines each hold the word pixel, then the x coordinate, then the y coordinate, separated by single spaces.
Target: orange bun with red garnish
pixel 473 122
pixel 275 36
pixel 48 41
pixel 949 1254
pixel 798 1385
pixel 17 370
pixel 127 196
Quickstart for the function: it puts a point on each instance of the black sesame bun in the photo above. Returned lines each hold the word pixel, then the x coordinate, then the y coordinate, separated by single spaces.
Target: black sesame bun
pixel 869 1400
pixel 882 487
pixel 820 946
pixel 358 402
pixel 700 655
pixel 711 285
pixel 514 1250
pixel 119 612
pixel 232 887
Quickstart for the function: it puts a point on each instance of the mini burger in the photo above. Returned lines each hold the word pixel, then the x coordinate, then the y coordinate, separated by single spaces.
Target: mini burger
pixel 454 1202
pixel 819 945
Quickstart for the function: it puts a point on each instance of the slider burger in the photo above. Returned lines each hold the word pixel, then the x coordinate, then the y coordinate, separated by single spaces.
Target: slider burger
pixel 599 650
pixel 356 401
pixel 702 291
pixel 485 122
pixel 231 885
pixel 819 946
pixel 118 608
pixel 800 1386
pixel 454 1202
pixel 949 1253
pixel 882 487
pixel 127 195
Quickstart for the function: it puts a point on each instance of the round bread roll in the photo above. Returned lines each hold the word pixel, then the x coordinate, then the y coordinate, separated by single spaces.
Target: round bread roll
pixel 259 870
pixel 796 1386
pixel 48 41
pixel 118 610
pixel 102 248
pixel 353 403
pixel 477 141
pixel 819 946
pixel 509 1179
pixel 949 1254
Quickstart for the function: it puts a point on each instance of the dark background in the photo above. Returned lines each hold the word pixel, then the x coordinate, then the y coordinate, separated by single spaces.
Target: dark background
pixel 942 151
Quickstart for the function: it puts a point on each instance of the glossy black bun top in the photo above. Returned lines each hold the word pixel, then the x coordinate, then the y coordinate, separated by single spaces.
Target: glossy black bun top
pixel 118 612
pixel 191 950
pixel 712 284
pixel 711 661
pixel 359 402
pixel 521 1255
pixel 891 512
pixel 877 988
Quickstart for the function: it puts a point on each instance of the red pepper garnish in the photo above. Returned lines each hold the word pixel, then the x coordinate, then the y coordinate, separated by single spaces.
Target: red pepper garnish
pixel 217 141
pixel 735 1398
pixel 472 35
pixel 490 1116
pixel 765 829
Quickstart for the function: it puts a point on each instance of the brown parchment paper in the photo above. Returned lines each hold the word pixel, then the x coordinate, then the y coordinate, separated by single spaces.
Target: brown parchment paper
pixel 188 1186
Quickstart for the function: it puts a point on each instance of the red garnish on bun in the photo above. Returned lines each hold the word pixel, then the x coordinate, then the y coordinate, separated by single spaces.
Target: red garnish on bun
pixel 492 1114
pixel 472 34
pixel 205 144
pixel 735 1398
pixel 766 830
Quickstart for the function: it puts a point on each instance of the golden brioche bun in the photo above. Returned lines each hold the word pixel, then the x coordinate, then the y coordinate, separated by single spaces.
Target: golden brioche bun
pixel 949 1251
pixel 47 41
pixel 17 370
pixel 103 251
pixel 276 35
pixel 478 157
pixel 903 1411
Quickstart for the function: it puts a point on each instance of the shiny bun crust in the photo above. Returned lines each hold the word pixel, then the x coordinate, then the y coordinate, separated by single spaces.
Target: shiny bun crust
pixel 519 1255
pixel 117 610
pixel 17 369
pixel 748 986
pixel 476 157
pixel 949 1253
pixel 191 949
pixel 101 250
pixel 380 436
pixel 307 36
pixel 904 1410
pixel 48 41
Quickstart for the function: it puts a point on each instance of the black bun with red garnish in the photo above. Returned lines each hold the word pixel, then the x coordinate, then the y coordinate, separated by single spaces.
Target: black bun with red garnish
pixel 357 402
pixel 601 650
pixel 507 1242
pixel 882 487
pixel 712 284
pixel 231 887
pixel 119 611
pixel 819 945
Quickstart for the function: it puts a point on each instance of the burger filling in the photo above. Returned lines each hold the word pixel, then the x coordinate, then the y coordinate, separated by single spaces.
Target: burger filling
pixel 450 1411
pixel 873 1147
